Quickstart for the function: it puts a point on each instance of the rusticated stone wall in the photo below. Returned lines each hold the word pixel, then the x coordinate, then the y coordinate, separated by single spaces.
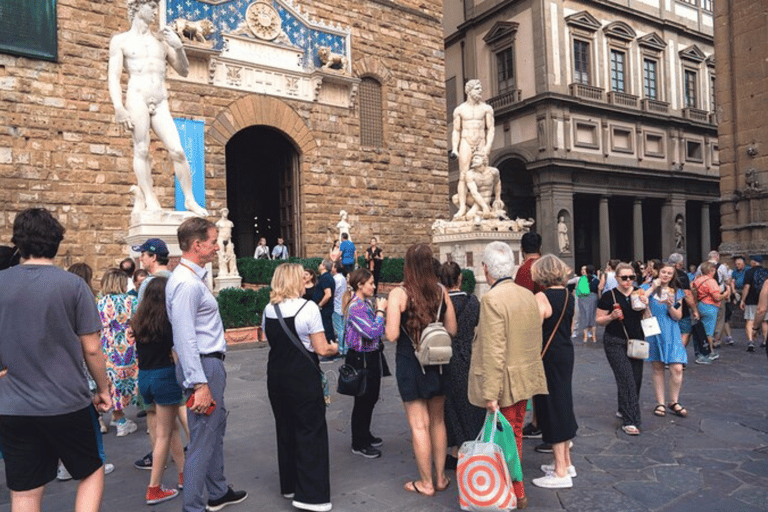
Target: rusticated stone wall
pixel 741 52
pixel 60 147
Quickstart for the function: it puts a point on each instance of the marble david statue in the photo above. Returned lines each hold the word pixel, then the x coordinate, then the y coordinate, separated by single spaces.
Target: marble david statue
pixel 145 54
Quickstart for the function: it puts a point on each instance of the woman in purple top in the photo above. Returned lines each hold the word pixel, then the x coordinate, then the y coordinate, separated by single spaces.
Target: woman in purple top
pixel 362 332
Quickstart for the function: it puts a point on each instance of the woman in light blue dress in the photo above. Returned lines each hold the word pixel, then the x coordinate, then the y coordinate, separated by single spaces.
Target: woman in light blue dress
pixel 665 299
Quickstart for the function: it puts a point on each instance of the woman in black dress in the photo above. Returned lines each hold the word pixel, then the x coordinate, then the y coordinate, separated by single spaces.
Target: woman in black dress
pixel 412 307
pixel 462 420
pixel 555 410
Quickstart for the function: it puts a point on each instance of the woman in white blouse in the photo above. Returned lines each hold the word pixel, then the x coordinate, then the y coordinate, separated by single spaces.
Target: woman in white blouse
pixel 295 389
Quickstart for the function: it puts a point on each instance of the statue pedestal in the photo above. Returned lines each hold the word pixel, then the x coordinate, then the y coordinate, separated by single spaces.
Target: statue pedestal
pixel 222 282
pixel 163 225
pixel 465 246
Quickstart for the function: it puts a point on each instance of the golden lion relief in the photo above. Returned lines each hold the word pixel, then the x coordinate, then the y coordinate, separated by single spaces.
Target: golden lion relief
pixel 195 31
pixel 331 60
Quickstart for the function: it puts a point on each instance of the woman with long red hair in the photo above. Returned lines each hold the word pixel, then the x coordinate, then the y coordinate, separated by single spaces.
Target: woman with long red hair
pixel 411 308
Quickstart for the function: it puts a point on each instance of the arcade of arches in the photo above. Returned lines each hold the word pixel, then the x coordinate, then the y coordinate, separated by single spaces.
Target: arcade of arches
pixel 608 225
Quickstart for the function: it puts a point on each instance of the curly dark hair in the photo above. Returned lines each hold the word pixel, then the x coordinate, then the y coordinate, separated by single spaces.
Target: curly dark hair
pixel 37 233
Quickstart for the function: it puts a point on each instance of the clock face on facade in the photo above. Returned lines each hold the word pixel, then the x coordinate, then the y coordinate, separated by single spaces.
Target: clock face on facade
pixel 263 20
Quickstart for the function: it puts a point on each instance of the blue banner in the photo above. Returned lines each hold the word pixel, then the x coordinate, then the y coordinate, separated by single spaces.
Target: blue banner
pixel 192 134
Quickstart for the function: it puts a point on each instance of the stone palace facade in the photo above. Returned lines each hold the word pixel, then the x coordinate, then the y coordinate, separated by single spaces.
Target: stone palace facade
pixel 304 109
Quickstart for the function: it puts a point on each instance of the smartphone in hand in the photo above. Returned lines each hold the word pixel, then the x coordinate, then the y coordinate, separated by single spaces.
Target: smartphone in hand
pixel 191 403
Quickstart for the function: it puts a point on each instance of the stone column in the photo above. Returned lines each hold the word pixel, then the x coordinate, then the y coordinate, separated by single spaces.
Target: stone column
pixel 706 242
pixel 667 229
pixel 637 229
pixel 605 231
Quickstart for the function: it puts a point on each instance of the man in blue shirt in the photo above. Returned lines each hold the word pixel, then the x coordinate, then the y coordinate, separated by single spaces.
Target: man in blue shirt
pixel 280 252
pixel 198 340
pixel 348 254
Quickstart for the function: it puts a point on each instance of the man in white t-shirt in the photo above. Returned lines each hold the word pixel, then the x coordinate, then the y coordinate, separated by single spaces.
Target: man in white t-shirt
pixel 338 295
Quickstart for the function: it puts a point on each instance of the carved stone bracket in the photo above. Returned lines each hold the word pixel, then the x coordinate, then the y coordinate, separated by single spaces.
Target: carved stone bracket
pixel 335 88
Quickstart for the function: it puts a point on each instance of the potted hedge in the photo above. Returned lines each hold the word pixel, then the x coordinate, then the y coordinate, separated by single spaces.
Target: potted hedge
pixel 241 312
pixel 259 272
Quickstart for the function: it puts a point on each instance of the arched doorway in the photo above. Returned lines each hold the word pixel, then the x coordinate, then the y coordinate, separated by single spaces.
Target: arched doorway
pixel 517 189
pixel 262 196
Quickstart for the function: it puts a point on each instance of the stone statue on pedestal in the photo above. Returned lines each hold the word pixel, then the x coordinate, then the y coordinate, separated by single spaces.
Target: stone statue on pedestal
pixel 227 259
pixel 343 225
pixel 473 130
pixel 679 234
pixel 562 236
pixel 145 54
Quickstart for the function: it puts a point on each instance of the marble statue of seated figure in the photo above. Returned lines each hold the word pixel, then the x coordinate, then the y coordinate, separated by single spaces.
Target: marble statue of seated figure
pixel 484 187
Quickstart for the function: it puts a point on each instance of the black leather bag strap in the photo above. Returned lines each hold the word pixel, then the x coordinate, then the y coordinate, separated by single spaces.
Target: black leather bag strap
pixel 293 337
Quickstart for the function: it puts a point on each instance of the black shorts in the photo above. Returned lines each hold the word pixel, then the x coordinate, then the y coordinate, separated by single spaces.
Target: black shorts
pixel 33 445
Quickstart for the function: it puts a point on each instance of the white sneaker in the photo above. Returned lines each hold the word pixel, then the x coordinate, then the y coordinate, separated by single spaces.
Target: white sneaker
pixel 314 507
pixel 108 468
pixel 62 473
pixel 551 468
pixel 552 481
pixel 126 427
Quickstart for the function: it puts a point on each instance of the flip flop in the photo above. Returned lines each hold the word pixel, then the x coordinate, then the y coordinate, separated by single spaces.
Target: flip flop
pixel 447 484
pixel 414 488
pixel 631 430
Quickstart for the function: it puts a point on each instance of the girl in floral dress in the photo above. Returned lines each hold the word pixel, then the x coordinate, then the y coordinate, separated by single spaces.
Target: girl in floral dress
pixel 116 308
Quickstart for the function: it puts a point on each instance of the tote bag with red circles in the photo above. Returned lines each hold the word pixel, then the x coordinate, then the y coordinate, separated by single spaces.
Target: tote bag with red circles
pixel 483 475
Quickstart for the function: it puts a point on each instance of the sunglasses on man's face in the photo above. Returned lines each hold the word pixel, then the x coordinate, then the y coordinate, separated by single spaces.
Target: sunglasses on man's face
pixel 627 278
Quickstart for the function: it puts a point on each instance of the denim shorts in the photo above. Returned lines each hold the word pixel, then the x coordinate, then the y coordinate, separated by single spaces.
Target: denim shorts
pixel 159 386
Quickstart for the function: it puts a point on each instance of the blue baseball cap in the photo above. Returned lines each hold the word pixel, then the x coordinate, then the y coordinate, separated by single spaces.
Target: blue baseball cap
pixel 153 245
pixel 757 258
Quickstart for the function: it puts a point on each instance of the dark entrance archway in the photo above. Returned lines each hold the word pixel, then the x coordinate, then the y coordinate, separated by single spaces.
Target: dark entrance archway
pixel 517 189
pixel 262 170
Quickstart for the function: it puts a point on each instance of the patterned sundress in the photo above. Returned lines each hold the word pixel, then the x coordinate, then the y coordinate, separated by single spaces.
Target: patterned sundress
pixel 120 354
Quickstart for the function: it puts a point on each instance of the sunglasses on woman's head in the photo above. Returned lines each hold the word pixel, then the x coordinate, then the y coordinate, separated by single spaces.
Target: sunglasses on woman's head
pixel 627 278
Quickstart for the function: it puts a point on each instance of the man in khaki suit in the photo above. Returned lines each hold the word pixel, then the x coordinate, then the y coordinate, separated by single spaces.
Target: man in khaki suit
pixel 506 368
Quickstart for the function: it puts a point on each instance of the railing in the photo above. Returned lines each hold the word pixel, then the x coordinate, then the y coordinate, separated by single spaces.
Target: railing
pixel 622 98
pixel 505 99
pixel 694 114
pixel 649 105
pixel 585 91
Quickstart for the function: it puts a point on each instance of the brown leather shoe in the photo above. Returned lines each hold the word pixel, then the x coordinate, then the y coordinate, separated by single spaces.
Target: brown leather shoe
pixel 522 502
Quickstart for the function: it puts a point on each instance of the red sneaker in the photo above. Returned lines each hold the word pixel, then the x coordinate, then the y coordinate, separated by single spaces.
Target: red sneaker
pixel 160 494
pixel 181 481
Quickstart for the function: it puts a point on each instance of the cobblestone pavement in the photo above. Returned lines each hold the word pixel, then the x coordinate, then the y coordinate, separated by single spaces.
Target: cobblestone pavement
pixel 716 459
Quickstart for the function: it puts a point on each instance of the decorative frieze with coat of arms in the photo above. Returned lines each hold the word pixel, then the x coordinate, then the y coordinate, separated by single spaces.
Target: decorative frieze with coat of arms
pixel 266 47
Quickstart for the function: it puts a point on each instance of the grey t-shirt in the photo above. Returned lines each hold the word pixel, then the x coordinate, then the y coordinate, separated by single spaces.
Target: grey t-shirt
pixel 43 311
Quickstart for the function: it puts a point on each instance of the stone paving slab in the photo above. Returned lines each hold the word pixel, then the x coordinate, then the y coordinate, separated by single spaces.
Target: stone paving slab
pixel 714 460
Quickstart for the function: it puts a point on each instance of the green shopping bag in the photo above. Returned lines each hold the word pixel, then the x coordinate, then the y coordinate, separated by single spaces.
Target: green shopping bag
pixel 505 438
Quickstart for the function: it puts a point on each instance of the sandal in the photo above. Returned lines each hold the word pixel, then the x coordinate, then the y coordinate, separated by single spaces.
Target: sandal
pixel 444 487
pixel 631 430
pixel 660 410
pixel 678 410
pixel 414 488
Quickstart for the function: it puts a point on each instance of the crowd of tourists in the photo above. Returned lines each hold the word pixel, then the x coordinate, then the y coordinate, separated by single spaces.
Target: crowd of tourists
pixel 154 339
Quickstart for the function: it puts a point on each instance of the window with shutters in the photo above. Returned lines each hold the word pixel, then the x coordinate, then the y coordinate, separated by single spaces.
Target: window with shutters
pixel 371 113
pixel 28 28
pixel 581 69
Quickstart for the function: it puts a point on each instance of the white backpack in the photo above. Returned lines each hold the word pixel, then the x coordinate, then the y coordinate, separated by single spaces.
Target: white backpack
pixel 434 346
